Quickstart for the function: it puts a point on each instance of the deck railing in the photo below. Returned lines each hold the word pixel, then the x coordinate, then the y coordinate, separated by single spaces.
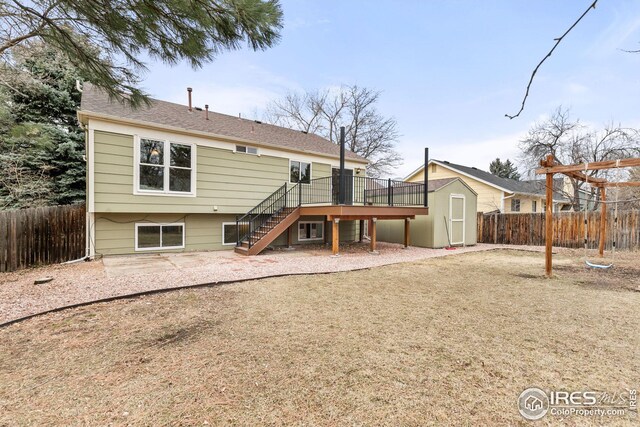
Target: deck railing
pixel 358 190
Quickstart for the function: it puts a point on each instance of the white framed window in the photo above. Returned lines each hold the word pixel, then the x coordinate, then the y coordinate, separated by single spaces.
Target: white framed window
pixel 230 234
pixel 299 172
pixel 310 230
pixel 164 167
pixel 246 149
pixel 152 236
pixel 534 206
pixel 515 205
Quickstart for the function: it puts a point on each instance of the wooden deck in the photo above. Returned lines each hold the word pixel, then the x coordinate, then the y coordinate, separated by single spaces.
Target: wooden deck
pixel 336 213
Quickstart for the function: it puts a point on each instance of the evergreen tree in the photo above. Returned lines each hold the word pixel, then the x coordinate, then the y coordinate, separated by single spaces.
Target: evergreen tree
pixel 504 169
pixel 127 30
pixel 41 143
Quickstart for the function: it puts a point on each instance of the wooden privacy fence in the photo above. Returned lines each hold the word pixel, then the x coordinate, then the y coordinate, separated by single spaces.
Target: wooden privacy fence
pixel 39 236
pixel 568 229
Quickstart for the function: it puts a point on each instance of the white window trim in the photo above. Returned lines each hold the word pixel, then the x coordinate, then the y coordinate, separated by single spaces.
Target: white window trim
pixel 222 237
pixel 235 150
pixel 300 239
pixel 136 169
pixel 310 171
pixel 513 202
pixel 160 224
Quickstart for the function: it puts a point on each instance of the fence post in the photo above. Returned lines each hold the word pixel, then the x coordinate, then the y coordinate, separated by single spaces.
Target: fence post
pixel 389 192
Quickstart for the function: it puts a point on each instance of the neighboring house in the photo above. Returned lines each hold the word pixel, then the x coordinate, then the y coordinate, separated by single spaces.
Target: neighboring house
pixel 497 194
pixel 169 177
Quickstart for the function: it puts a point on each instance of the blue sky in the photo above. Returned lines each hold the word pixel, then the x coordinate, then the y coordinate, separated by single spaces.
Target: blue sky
pixel 448 70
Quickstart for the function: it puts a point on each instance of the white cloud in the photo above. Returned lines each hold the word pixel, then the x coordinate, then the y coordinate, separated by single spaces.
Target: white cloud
pixel 227 90
pixel 618 34
pixel 576 88
pixel 468 153
pixel 234 99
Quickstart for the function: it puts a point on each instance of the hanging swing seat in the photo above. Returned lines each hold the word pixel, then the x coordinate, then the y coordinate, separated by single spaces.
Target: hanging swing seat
pixel 586 222
pixel 600 266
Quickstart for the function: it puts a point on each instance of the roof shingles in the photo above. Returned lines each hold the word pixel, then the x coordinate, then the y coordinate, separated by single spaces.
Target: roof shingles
pixel 532 187
pixel 178 116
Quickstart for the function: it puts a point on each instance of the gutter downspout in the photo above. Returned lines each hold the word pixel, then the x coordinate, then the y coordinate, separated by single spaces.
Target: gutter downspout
pixel 505 198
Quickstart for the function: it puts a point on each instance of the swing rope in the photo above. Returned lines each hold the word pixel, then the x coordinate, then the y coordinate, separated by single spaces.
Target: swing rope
pixel 615 220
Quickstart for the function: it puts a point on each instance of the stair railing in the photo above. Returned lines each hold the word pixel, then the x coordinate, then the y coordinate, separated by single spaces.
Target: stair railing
pixel 360 190
pixel 256 217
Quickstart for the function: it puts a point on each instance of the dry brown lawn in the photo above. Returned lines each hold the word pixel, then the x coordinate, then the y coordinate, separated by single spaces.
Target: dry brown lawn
pixel 449 341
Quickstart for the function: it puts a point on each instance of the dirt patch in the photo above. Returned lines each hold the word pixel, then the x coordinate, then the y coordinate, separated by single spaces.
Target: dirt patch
pixel 449 341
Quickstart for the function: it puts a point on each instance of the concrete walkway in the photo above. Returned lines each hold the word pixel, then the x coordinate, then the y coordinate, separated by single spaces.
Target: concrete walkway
pixel 126 275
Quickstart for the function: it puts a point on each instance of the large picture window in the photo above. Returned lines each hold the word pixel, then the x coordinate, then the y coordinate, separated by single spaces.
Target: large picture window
pixel 165 167
pixel 230 234
pixel 299 172
pixel 311 230
pixel 151 236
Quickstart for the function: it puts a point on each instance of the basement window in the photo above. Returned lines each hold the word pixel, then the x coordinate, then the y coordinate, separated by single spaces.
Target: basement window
pixel 230 234
pixel 245 149
pixel 313 230
pixel 515 205
pixel 151 237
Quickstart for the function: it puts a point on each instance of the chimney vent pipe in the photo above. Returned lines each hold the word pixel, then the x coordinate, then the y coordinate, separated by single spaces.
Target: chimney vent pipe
pixel 206 111
pixel 189 90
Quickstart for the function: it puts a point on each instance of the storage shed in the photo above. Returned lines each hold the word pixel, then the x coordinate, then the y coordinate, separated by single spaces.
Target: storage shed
pixel 452 212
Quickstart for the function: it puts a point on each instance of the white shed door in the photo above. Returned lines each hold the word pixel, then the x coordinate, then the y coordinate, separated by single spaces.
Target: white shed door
pixel 456 219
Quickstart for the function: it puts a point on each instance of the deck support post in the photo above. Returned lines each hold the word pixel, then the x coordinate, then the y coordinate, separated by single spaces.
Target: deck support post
pixel 290 236
pixel 548 220
pixel 407 238
pixel 335 236
pixel 326 225
pixel 361 231
pixel 373 234
pixel 603 220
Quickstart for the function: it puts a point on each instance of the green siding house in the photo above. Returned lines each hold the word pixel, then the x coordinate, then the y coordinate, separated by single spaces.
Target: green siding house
pixel 172 177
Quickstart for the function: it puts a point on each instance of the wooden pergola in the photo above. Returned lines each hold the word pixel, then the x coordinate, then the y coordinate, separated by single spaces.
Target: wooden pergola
pixel 577 171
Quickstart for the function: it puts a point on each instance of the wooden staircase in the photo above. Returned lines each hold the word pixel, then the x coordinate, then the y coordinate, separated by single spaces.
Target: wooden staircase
pixel 268 231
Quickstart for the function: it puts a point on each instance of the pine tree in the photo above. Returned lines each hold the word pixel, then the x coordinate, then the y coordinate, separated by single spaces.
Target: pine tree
pixel 504 169
pixel 41 143
pixel 125 31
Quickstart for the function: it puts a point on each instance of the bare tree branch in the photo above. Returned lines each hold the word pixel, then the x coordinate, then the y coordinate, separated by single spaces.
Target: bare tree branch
pixel 368 133
pixel 572 143
pixel 535 70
